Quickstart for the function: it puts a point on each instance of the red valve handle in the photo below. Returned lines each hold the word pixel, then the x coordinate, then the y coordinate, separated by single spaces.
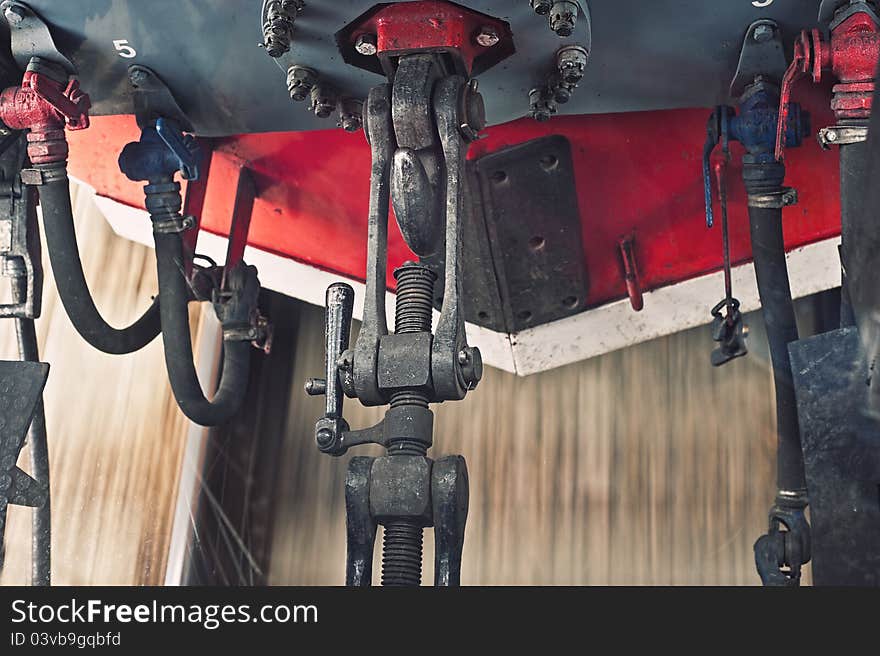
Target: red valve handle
pixel 808 58
pixel 72 103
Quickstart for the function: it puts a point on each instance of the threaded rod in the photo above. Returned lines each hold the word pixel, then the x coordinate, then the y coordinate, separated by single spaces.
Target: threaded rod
pixel 402 554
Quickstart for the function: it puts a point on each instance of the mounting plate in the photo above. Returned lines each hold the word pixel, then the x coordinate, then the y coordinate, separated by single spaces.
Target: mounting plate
pixel 842 457
pixel 533 226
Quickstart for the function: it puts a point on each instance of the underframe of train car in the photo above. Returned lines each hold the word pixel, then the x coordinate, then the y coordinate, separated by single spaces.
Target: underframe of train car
pixel 521 184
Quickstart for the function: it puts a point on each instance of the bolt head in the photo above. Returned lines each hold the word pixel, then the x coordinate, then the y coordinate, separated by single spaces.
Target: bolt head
pixel 542 7
pixel 137 77
pixel 488 36
pixel 366 45
pixel 14 15
pixel 763 33
pixel 831 135
pixel 563 17
pixel 324 438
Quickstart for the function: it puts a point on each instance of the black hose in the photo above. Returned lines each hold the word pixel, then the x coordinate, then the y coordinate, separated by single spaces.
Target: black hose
pixel 854 162
pixel 777 307
pixel 164 204
pixel 71 282
pixel 41 529
pixel 174 294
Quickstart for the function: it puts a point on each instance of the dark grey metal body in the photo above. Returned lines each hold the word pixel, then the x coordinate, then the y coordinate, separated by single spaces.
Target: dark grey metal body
pixel 841 446
pixel 645 55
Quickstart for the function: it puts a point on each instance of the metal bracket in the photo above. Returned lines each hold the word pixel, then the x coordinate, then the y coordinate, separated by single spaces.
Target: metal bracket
pixel 775 201
pixel 152 99
pixel 30 38
pixel 21 388
pixel 533 228
pixel 841 445
pixel 762 54
pixel 842 135
pixel 19 236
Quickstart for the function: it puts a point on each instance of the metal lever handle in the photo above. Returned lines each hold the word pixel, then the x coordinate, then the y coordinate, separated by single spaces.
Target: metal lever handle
pixel 809 56
pixel 182 146
pixel 337 331
pixel 71 102
pixel 717 130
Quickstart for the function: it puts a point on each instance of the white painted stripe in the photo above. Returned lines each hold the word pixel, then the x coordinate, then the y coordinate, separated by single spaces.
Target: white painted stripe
pixel 812 268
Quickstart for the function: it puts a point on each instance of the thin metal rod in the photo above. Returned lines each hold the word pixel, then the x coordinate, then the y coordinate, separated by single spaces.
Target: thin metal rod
pixel 41 535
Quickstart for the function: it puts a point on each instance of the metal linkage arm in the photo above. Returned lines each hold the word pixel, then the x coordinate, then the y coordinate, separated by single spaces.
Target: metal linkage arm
pixel 418 130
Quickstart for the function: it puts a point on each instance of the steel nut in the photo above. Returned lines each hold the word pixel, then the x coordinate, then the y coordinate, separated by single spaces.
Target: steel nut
pixel 400 488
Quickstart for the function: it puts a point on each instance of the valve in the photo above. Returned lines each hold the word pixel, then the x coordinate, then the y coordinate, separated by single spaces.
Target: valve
pixel 851 55
pixel 785 548
pixel 754 127
pixel 162 150
pixel 45 105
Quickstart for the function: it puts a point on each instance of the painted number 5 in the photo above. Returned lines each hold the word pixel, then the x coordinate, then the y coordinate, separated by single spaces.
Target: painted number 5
pixel 126 50
pixel 762 3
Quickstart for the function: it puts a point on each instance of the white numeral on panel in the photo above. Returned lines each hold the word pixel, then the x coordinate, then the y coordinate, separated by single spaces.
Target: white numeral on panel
pixel 128 52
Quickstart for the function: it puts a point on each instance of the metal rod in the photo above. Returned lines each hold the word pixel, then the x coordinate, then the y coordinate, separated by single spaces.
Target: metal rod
pixel 41 540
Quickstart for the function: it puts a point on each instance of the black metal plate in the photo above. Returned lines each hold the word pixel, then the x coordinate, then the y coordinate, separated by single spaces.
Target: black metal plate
pixel 21 386
pixel 646 55
pixel 534 229
pixel 842 458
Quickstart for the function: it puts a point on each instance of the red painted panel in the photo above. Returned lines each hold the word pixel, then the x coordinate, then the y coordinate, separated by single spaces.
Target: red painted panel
pixel 636 173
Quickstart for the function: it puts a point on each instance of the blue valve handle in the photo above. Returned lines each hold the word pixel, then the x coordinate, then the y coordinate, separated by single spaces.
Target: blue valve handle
pixel 183 146
pixel 718 130
pixel 161 152
pixel 755 128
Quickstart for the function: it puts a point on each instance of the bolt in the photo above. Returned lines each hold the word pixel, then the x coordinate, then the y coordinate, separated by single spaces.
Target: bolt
pixel 563 17
pixel 541 106
pixel 763 33
pixel 14 15
pixel 366 44
pixel 571 61
pixel 300 82
pixel 542 7
pixel 474 112
pixel 323 101
pixel 324 438
pixel 351 114
pixel 471 363
pixel 488 36
pixel 562 92
pixel 831 135
pixel 280 16
pixel 137 76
